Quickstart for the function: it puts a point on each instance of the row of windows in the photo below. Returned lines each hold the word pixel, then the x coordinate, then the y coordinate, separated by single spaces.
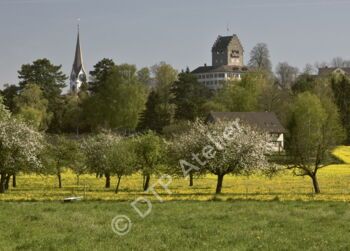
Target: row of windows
pixel 211 75
pixel 234 75
pixel 232 52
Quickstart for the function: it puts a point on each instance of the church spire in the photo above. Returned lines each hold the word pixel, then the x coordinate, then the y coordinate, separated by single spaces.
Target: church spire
pixel 78 75
pixel 78 59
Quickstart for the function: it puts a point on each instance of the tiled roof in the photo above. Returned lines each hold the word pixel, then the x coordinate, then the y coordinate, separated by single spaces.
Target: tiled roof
pixel 330 70
pixel 221 68
pixel 221 42
pixel 266 121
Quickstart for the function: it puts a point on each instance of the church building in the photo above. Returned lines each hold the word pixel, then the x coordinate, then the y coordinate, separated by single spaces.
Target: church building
pixel 78 75
pixel 227 63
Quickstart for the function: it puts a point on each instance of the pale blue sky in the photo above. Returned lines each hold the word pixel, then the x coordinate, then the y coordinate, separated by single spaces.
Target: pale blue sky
pixel 179 32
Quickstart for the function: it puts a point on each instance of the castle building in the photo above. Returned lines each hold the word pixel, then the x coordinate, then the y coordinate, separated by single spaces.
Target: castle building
pixel 78 75
pixel 227 63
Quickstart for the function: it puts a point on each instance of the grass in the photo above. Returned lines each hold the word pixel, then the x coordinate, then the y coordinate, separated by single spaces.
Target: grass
pixel 186 225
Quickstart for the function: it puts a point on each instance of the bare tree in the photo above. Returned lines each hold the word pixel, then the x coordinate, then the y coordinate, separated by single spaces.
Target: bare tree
pixel 337 62
pixel 260 57
pixel 309 69
pixel 286 75
pixel 340 62
pixel 320 65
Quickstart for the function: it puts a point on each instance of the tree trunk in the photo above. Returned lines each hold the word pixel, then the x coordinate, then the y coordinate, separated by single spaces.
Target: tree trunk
pixel 14 180
pixel 117 188
pixel 59 180
pixel 191 179
pixel 78 180
pixel 108 180
pixel 7 182
pixel 2 183
pixel 315 184
pixel 219 184
pixel 146 185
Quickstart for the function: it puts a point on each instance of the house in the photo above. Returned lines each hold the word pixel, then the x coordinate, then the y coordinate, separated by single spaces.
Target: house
pixel 227 63
pixel 264 121
pixel 326 71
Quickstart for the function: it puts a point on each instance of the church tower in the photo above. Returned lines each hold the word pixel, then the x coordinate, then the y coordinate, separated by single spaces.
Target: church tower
pixel 78 74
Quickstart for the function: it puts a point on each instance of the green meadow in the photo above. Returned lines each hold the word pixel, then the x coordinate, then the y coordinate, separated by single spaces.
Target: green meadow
pixel 181 225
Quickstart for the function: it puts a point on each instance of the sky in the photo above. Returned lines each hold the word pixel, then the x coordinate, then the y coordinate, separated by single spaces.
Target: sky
pixel 180 32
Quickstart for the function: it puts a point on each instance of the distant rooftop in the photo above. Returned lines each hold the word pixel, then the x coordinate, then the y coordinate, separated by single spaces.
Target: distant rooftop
pixel 222 42
pixel 329 70
pixel 222 68
pixel 266 121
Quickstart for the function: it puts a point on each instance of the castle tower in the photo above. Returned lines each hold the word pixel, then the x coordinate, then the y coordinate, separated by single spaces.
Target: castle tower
pixel 227 50
pixel 227 63
pixel 78 75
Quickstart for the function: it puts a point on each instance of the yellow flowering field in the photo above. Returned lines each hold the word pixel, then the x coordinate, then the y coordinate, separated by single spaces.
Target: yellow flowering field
pixel 334 183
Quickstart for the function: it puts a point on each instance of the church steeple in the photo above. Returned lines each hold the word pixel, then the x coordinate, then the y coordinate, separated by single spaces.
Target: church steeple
pixel 78 75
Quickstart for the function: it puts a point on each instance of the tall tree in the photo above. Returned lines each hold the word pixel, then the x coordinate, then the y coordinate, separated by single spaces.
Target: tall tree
pixel 74 120
pixel 100 73
pixel 304 82
pixel 165 76
pixel 286 75
pixel 9 93
pixel 128 72
pixel 47 76
pixel 153 117
pixel 189 97
pixel 51 80
pixel 33 107
pixel 315 130
pixel 244 95
pixel 144 76
pixel 341 89
pixel 160 109
pixel 260 58
pixel 118 103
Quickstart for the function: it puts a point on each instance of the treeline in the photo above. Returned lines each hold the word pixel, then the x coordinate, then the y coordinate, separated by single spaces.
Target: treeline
pixel 126 120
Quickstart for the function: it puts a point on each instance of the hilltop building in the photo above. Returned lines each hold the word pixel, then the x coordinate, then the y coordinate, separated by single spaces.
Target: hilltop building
pixel 227 63
pixel 78 75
